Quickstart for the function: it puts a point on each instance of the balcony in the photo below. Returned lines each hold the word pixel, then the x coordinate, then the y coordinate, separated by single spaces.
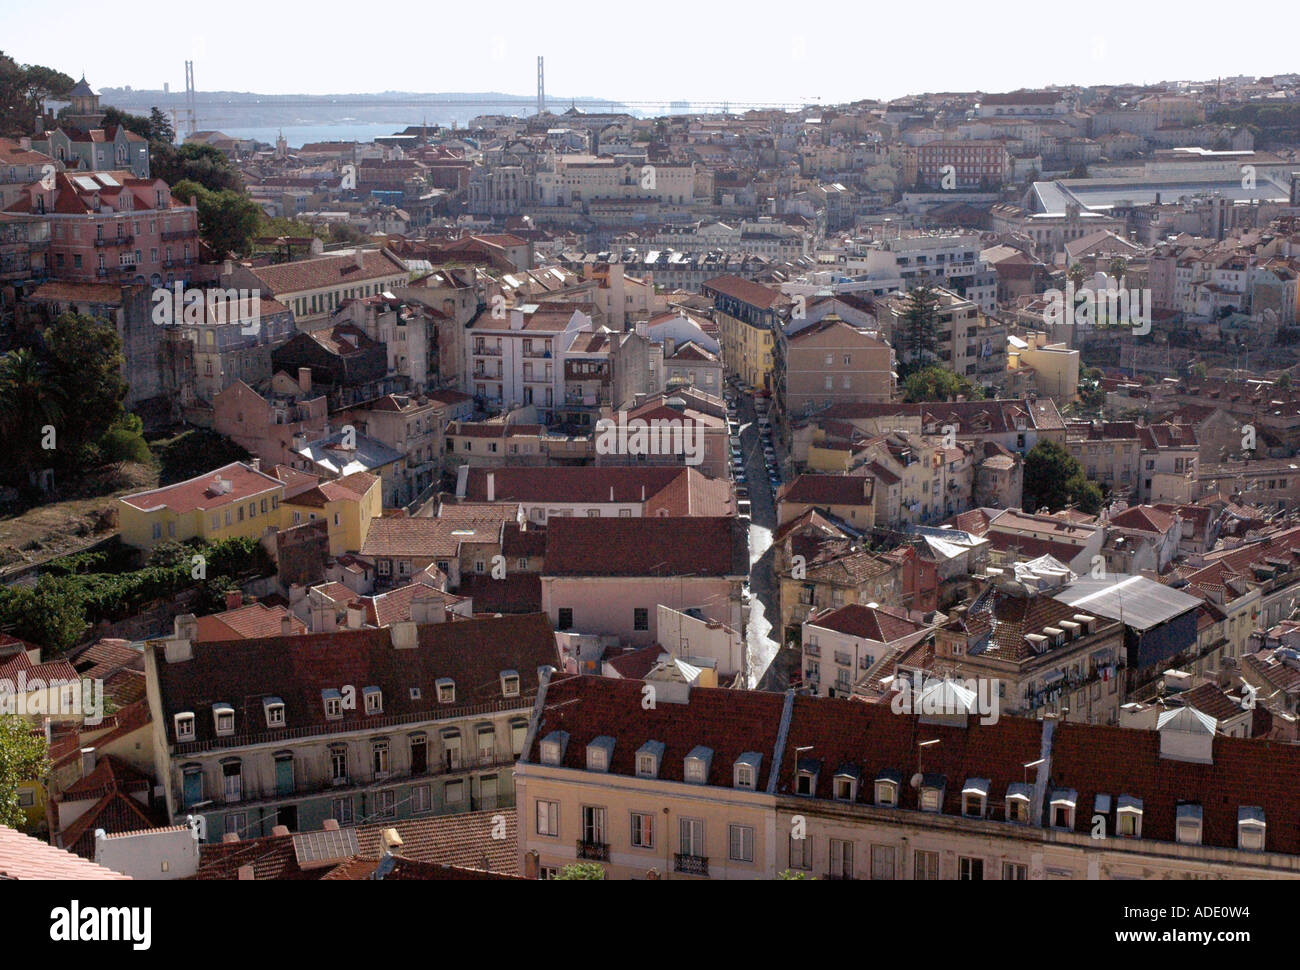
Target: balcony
pixel 114 241
pixel 487 351
pixel 180 234
pixel 691 865
pixel 595 851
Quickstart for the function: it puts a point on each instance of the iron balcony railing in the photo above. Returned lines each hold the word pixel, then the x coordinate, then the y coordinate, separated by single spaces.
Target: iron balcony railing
pixel 691 865
pixel 595 851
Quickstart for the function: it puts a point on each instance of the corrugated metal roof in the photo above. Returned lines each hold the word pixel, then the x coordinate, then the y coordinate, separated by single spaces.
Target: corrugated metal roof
pixel 1136 601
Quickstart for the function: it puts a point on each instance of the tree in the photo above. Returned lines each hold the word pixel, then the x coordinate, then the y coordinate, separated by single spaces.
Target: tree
pixel 937 384
pixel 137 124
pixel 1283 382
pixel 85 368
pixel 228 220
pixel 192 162
pixel 919 331
pixel 49 614
pixel 24 757
pixel 1055 479
pixel 160 126
pixel 29 403
pixel 24 89
pixel 1077 275
pixel 582 870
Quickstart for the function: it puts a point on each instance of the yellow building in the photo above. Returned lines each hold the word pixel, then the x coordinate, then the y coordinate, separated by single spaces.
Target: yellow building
pixel 748 316
pixel 236 500
pixel 348 506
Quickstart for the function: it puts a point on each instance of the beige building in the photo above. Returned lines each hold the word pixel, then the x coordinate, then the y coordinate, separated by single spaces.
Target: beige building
pixel 831 361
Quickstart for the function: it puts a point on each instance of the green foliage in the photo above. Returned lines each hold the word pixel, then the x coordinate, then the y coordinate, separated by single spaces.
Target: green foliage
pixel 115 557
pixel 201 165
pixel 228 219
pixel 1055 479
pixel 582 870
pixel 919 331
pixel 23 91
pixel 71 382
pixel 193 452
pixel 57 611
pixel 138 124
pixel 794 874
pixel 124 441
pixel 937 384
pixel 24 757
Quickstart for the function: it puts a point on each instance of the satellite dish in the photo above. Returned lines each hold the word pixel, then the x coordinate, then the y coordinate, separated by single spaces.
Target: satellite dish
pixel 916 780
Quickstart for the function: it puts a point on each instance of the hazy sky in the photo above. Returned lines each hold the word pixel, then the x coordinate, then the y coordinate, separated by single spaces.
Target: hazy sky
pixel 757 50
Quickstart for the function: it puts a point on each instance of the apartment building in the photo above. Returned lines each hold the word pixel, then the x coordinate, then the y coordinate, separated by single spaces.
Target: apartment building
pixel 689 788
pixel 402 722
pixel 234 500
pixel 266 424
pixel 1110 453
pixel 113 227
pixel 958 166
pixel 968 342
pixel 827 362
pixel 748 316
pixel 314 288
pixel 842 646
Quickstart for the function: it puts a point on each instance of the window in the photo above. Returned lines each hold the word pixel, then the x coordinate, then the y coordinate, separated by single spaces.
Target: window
pixel 846 788
pixel 419 754
pixel 454 792
pixel 740 840
pixel 333 704
pixel 887 793
pixel 235 823
pixel 882 862
pixel 379 758
pixel 593 824
pixel 338 764
pixel 1189 824
pixel 565 619
pixel 446 690
pixel 690 836
pixel 224 717
pixel 374 699
pixel 420 799
pixel 451 750
pixel 800 853
pixel 486 744
pixel 192 788
pixel 1014 870
pixel 518 734
pixel 745 776
pixel 1062 806
pixel 548 818
pixel 386 804
pixel 643 830
pixel 640 618
pixel 969 867
pixel 925 865
pixel 841 863
pixel 931 799
pixel 185 726
pixel 509 683
pixel 232 778
pixel 1128 817
pixel 1250 829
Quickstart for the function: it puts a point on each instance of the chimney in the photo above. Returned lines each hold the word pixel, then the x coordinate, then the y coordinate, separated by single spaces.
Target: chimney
pixel 87 761
pixel 231 837
pixel 286 625
pixel 354 617
pixel 330 825
pixel 304 379
pixel 532 865
pixel 234 599
pixel 491 487
pixel 245 872
pixel 280 830
pixel 256 464
pixel 360 259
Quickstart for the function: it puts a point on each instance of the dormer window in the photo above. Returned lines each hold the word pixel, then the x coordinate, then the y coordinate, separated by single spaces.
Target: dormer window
pixel 1188 830
pixel 333 701
pixel 648 758
pixel 374 700
pixel 1062 805
pixel 1018 797
pixel 185 726
pixel 932 788
pixel 1128 817
pixel 746 770
pixel 887 790
pixel 974 797
pixel 696 769
pixel 446 690
pixel 509 683
pixel 273 707
pixel 224 717
pixel 553 746
pixel 599 753
pixel 844 786
pixel 1250 828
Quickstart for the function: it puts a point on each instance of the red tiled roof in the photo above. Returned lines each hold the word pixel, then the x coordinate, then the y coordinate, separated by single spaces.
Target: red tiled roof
pixel 329 271
pixel 881 624
pixel 298 669
pixel 812 489
pixel 22 857
pixel 200 492
pixel 253 620
pixel 660 546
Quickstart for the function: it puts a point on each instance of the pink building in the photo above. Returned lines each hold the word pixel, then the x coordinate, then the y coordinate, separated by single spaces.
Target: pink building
pixel 111 227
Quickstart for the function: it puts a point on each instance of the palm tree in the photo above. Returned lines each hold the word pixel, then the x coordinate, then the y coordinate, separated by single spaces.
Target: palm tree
pixel 28 401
